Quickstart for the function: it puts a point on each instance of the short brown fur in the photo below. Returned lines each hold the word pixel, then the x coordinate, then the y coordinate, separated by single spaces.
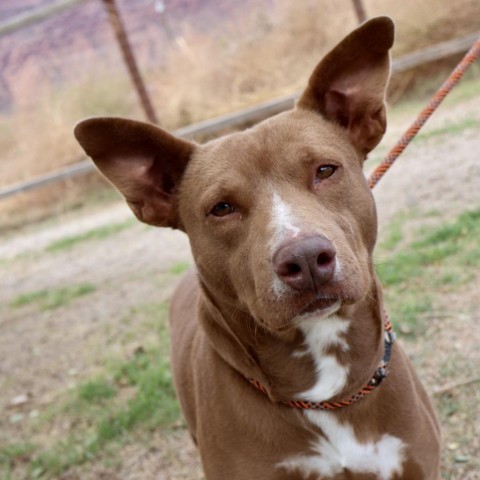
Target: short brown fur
pixel 229 318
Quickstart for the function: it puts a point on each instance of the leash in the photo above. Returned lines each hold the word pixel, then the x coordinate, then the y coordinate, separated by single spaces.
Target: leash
pixel 375 381
pixel 425 114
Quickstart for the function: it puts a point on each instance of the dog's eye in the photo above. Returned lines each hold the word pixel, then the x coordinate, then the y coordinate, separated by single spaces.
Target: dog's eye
pixel 325 171
pixel 222 209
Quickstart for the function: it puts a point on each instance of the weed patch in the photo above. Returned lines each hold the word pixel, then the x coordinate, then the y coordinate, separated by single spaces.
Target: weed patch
pixel 394 235
pixel 12 455
pixel 465 225
pixel 133 392
pixel 450 129
pixel 53 298
pixel 96 391
pixel 179 268
pixel 99 233
pixel 442 257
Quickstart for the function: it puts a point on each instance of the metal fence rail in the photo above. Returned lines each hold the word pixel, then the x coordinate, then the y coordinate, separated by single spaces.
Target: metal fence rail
pixel 435 52
pixel 246 116
pixel 30 17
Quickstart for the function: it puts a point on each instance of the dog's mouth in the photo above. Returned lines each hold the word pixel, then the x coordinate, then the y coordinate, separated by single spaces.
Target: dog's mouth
pixel 318 308
pixel 286 313
pixel 321 305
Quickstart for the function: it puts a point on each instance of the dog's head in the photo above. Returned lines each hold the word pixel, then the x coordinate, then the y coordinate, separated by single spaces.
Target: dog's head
pixel 280 218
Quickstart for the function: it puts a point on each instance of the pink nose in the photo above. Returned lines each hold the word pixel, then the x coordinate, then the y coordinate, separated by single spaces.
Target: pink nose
pixel 305 264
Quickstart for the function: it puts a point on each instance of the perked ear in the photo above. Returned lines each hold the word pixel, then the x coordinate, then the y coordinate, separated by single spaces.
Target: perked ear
pixel 349 85
pixel 144 162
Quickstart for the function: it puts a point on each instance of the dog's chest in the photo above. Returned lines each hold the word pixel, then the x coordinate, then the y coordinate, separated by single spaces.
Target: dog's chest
pixel 320 335
pixel 339 451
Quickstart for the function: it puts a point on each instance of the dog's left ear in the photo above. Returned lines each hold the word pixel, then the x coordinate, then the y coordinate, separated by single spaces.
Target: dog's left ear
pixel 144 163
pixel 348 86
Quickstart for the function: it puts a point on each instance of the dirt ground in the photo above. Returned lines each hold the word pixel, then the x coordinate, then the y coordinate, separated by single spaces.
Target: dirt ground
pixel 43 354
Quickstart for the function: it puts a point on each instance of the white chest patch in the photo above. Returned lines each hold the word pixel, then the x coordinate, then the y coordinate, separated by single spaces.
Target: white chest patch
pixel 321 334
pixel 340 450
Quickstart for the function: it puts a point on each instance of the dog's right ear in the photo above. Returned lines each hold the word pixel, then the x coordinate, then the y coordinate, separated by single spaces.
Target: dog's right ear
pixel 348 86
pixel 144 162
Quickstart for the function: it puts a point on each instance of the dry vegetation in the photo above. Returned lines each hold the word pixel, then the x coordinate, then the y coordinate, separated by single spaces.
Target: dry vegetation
pixel 248 59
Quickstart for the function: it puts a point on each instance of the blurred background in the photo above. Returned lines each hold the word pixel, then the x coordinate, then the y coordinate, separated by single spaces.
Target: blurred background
pixel 85 389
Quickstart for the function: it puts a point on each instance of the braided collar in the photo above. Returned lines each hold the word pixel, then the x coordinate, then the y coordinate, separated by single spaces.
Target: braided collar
pixel 373 383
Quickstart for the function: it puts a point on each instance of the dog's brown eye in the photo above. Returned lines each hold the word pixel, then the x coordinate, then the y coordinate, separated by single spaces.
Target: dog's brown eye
pixel 325 171
pixel 221 209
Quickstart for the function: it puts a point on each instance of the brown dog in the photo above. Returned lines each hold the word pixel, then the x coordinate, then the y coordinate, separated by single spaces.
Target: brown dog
pixel 278 334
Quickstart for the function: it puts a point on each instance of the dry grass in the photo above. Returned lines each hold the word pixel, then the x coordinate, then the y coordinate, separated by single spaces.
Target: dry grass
pixel 261 55
pixel 266 57
pixel 423 23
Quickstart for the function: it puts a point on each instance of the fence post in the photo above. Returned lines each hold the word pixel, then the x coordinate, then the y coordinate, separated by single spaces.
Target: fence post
pixel 360 11
pixel 129 58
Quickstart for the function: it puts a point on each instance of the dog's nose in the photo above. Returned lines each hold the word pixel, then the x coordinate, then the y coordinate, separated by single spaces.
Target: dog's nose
pixel 305 264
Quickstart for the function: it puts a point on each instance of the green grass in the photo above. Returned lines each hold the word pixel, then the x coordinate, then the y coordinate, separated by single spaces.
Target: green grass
pixel 15 452
pixel 465 225
pixel 132 392
pixel 450 129
pixel 49 299
pixel 99 233
pixel 394 235
pixel 97 390
pixel 179 268
pixel 436 259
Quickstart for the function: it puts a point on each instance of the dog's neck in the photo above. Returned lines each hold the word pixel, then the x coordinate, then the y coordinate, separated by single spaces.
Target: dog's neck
pixel 321 359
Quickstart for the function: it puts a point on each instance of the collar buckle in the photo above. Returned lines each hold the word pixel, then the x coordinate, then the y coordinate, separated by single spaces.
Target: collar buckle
pixel 390 336
pixel 378 377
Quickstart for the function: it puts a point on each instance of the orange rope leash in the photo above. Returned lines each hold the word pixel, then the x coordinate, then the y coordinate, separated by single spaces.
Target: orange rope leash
pixel 424 115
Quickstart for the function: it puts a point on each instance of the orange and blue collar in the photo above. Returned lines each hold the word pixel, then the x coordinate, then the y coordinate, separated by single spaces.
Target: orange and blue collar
pixel 377 378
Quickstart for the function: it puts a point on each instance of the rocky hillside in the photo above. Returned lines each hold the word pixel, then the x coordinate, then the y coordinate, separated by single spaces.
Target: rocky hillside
pixel 48 52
